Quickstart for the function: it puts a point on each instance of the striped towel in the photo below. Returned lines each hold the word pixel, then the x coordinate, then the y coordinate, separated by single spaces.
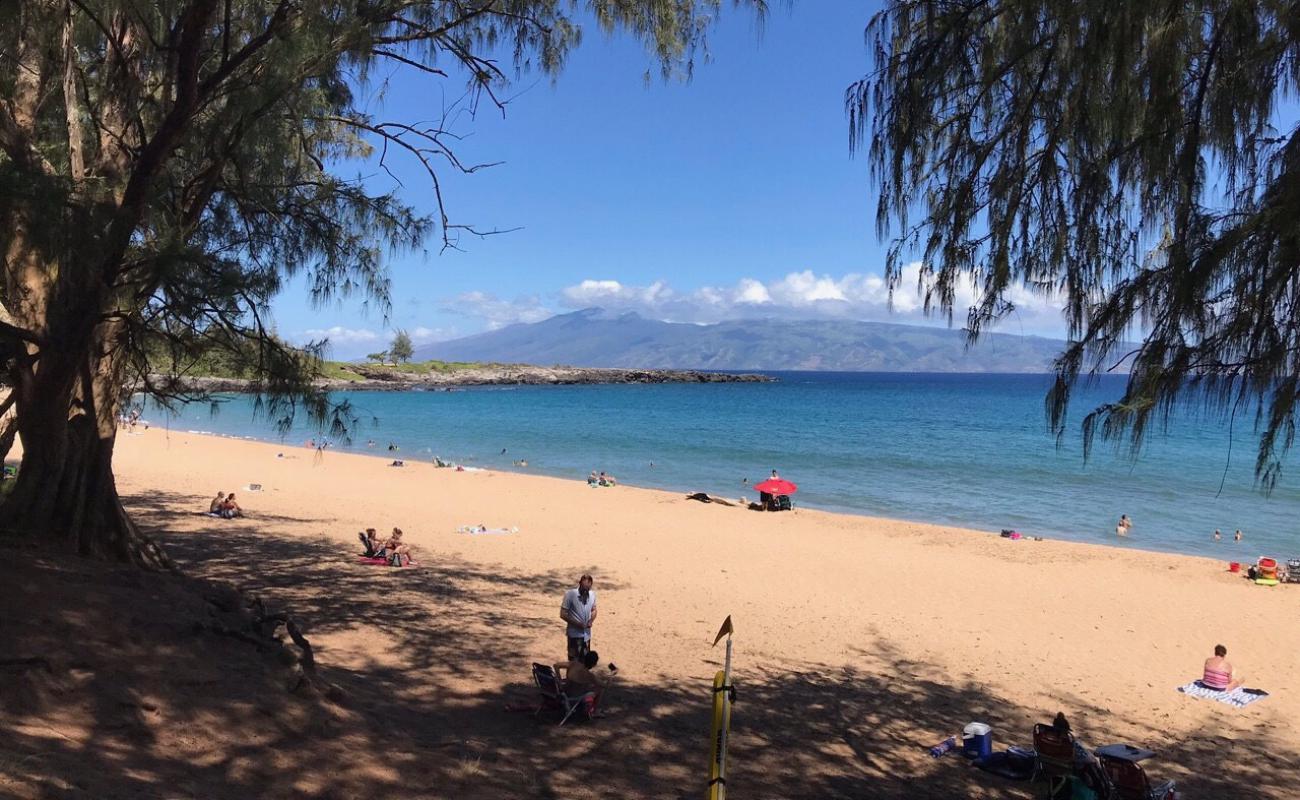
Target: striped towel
pixel 1237 698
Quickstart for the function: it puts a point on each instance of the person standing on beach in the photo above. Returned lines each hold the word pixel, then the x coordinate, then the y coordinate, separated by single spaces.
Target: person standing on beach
pixel 578 609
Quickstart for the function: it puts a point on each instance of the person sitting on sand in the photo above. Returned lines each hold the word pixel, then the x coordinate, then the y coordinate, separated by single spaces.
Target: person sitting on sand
pixel 214 508
pixel 397 552
pixel 1219 673
pixel 592 479
pixel 230 509
pixel 607 480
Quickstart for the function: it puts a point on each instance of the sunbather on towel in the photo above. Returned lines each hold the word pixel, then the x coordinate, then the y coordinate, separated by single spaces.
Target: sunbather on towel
pixel 1219 672
pixel 230 509
pixel 397 553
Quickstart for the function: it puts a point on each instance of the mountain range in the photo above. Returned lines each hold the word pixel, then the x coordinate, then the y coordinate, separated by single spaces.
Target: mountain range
pixel 594 337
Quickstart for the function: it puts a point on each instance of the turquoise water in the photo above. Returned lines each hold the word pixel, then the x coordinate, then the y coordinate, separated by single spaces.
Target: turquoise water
pixel 968 450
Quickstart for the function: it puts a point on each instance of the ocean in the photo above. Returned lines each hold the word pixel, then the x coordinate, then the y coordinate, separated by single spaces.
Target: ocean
pixel 965 450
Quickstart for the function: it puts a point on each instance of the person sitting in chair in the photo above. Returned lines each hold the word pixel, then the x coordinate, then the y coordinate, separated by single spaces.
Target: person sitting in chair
pixel 1086 766
pixel 1219 673
pixel 579 678
pixel 370 541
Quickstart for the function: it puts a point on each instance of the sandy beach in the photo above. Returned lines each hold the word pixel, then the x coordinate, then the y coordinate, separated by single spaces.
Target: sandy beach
pixel 859 642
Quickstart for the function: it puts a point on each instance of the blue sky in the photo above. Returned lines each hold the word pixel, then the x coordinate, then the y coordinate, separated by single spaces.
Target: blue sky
pixel 728 196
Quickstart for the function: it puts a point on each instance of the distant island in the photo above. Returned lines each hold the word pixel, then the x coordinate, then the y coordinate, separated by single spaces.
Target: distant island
pixel 597 337
pixel 434 374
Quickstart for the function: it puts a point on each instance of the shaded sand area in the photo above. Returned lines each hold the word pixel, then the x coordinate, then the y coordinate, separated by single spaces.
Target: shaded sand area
pixel 860 642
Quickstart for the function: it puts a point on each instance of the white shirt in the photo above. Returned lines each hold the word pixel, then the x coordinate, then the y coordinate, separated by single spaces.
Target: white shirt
pixel 579 611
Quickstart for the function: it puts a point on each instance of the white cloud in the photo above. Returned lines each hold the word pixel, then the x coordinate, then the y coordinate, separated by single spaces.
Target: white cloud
pixel 422 335
pixel 805 295
pixel 339 335
pixel 498 313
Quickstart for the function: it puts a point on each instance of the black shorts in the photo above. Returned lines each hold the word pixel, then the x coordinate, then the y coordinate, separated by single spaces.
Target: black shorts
pixel 578 647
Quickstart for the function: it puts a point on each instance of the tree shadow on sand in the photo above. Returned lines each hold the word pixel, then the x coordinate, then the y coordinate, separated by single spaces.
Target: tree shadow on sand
pixel 135 700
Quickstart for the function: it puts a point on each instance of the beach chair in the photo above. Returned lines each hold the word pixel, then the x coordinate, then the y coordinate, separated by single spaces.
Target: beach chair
pixel 1055 759
pixel 553 695
pixel 1128 781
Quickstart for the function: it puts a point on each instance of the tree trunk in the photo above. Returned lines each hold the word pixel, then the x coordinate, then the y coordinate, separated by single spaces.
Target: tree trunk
pixel 65 495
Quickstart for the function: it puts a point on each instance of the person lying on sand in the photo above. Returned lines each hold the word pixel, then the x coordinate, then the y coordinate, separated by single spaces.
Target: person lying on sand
pixel 214 508
pixel 1219 673
pixel 230 509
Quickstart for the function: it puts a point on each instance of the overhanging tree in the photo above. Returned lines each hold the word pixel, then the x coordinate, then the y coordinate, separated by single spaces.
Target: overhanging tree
pixel 166 166
pixel 1134 160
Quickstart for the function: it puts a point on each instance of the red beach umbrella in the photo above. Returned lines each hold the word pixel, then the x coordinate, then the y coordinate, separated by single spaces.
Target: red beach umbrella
pixel 776 486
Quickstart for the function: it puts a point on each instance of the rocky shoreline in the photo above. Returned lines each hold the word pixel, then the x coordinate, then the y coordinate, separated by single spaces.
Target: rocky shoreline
pixel 380 378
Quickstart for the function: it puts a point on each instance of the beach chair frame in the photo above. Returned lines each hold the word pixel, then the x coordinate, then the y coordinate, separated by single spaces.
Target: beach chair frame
pixel 1129 781
pixel 553 694
pixel 1055 761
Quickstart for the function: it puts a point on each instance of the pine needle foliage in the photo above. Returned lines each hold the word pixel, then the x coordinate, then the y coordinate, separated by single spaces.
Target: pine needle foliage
pixel 1137 162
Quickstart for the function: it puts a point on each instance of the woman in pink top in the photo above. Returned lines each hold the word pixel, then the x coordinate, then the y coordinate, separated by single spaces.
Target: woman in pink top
pixel 1219 674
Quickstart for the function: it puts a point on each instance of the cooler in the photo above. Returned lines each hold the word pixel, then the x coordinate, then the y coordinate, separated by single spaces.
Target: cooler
pixel 977 740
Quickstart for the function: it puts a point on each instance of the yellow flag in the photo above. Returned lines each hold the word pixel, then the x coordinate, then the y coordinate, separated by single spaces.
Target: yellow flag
pixel 725 630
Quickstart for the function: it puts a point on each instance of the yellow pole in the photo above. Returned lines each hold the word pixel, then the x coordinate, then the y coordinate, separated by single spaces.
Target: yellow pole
pixel 722 696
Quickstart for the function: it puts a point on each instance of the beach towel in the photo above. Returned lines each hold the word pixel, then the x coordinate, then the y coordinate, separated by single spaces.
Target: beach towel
pixel 479 529
pixel 1016 763
pixel 1237 698
pixel 382 562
